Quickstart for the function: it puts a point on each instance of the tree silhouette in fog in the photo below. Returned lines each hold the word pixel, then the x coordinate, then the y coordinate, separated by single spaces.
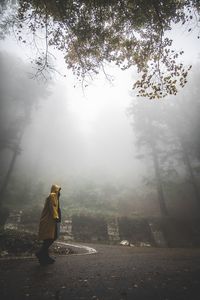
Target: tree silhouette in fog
pixel 168 134
pixel 19 96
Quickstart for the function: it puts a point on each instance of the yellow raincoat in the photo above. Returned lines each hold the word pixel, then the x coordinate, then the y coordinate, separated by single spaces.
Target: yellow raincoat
pixel 50 215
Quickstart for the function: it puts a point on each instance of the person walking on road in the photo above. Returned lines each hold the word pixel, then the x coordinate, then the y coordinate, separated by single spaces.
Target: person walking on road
pixel 49 226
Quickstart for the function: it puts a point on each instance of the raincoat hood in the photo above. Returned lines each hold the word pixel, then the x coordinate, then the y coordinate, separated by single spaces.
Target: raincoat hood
pixel 55 188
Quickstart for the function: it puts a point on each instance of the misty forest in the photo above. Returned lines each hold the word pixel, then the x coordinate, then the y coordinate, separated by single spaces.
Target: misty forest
pixel 100 149
pixel 102 98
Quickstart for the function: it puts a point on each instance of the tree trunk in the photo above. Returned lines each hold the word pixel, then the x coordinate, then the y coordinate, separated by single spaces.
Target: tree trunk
pixel 191 173
pixel 4 212
pixel 161 199
pixel 16 151
pixel 7 177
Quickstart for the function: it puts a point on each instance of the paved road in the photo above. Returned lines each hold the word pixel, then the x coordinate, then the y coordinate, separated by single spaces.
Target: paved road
pixel 114 273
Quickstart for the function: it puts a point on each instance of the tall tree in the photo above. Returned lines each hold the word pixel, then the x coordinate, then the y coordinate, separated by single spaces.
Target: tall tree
pixel 170 132
pixel 182 117
pixel 148 128
pixel 18 96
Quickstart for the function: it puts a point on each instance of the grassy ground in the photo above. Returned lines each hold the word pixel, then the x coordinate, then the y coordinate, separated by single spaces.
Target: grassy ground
pixel 20 243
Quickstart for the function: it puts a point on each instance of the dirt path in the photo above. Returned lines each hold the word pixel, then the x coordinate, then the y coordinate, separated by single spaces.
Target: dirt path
pixel 114 273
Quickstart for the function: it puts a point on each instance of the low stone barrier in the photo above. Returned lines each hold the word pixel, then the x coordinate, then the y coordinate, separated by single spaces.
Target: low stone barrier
pixel 138 231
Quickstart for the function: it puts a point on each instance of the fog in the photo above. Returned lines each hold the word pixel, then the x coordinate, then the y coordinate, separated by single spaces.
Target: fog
pixel 85 135
pixel 96 141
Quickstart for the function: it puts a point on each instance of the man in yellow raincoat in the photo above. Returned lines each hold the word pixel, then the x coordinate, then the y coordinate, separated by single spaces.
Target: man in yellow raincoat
pixel 49 225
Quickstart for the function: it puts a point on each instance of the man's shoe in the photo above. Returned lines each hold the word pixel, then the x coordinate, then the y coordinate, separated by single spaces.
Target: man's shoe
pixel 50 260
pixel 38 255
pixel 44 260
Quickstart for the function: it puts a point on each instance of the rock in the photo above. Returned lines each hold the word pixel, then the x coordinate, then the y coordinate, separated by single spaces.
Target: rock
pixel 3 253
pixel 143 244
pixel 125 243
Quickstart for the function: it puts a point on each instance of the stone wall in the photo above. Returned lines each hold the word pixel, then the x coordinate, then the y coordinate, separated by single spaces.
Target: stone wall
pixel 113 230
pixel 89 228
pixel 156 232
pixel 138 231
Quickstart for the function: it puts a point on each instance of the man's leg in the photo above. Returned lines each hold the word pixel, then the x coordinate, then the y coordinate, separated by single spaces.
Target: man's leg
pixel 43 253
pixel 45 247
